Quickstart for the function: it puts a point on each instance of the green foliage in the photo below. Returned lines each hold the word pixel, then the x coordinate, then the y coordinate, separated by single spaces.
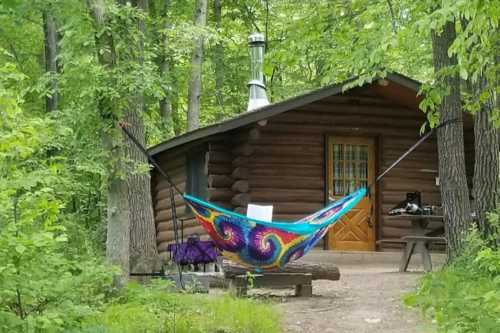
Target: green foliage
pixel 464 296
pixel 154 308
pixel 44 287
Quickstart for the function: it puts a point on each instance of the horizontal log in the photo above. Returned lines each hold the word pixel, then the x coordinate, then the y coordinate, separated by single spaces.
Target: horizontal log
pixel 347 109
pixel 166 203
pixel 162 246
pixel 240 186
pixel 169 162
pixel 248 135
pixel 219 181
pixel 324 271
pixel 240 161
pixel 356 100
pixel 282 217
pixel 218 157
pixel 240 173
pixel 262 169
pixel 305 118
pixel 165 193
pixel 288 182
pixel 407 164
pixel 169 225
pixel 298 160
pixel 349 129
pixel 399 195
pixel 163 184
pixel 244 149
pixel 391 232
pixel 219 194
pixel 241 199
pixel 269 137
pixel 296 207
pixel 168 236
pixel 222 204
pixel 166 214
pixel 218 168
pixel 402 174
pixel 276 195
pixel 218 146
pixel 410 186
pixel 295 149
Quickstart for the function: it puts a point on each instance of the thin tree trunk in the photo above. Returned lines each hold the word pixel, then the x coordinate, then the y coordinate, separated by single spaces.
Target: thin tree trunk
pixel 118 216
pixel 143 251
pixel 486 166
pixel 51 52
pixel 194 94
pixel 219 61
pixel 452 174
pixel 165 103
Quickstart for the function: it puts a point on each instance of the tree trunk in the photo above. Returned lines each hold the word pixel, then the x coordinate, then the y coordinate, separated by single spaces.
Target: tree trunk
pixel 118 228
pixel 165 69
pixel 486 167
pixel 143 251
pixel 452 174
pixel 219 61
pixel 194 94
pixel 50 42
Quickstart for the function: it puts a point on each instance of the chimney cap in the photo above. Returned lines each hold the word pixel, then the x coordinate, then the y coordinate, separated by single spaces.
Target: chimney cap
pixel 256 38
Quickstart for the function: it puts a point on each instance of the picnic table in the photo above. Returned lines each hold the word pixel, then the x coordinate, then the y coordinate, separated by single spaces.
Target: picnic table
pixel 419 240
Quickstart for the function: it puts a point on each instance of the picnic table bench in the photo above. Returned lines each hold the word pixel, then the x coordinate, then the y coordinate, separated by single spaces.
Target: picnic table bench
pixel 418 242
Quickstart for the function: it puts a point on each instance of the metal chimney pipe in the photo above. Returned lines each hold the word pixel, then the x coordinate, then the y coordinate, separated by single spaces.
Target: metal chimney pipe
pixel 258 97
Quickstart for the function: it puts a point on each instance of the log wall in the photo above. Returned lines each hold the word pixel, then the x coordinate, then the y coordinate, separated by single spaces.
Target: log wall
pixel 282 162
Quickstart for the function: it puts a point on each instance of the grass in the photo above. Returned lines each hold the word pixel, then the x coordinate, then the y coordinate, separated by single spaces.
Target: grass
pixel 153 308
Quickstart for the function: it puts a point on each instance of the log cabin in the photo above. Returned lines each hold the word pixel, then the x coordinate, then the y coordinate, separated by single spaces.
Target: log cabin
pixel 302 152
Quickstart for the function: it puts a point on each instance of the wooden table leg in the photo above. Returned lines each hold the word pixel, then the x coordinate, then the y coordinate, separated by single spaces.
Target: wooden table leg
pixel 405 258
pixel 303 290
pixel 426 257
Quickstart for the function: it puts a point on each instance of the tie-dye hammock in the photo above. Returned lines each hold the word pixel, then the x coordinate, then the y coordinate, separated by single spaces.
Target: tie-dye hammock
pixel 262 245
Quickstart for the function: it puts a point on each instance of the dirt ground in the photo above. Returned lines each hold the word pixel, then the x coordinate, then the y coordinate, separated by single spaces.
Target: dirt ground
pixel 366 299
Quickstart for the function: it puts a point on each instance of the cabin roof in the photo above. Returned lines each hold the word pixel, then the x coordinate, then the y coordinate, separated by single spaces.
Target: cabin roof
pixel 267 111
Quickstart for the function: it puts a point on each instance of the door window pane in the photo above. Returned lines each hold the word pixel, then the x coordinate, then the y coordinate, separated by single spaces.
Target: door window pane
pixel 350 168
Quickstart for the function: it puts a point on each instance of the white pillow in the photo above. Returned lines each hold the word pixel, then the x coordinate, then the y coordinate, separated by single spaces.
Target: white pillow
pixel 263 213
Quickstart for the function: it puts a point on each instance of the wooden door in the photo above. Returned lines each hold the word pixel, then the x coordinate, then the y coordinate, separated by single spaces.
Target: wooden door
pixel 351 164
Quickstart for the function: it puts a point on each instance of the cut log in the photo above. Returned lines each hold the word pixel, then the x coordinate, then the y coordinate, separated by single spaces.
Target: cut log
pixel 322 271
pixel 220 194
pixel 219 181
pixel 240 173
pixel 240 186
pixel 241 199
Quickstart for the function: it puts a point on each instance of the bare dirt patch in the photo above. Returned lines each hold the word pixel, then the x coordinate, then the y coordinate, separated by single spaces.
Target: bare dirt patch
pixel 366 299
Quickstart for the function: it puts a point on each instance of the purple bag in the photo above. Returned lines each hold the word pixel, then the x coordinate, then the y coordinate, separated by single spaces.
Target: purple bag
pixel 193 251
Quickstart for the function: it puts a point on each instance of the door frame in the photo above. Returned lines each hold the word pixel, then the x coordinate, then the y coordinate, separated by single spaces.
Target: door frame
pixel 377 189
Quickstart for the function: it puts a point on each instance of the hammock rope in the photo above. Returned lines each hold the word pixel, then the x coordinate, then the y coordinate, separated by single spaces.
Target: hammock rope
pixel 263 245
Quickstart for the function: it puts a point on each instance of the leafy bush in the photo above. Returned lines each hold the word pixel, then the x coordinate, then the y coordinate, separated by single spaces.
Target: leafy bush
pixel 464 296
